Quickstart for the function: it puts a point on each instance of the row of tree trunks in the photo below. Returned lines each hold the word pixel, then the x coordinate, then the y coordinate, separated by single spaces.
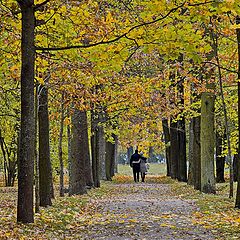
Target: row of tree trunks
pixel 9 161
pixel 177 166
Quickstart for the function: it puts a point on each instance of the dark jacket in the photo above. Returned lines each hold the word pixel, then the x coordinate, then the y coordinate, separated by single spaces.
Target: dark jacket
pixel 135 159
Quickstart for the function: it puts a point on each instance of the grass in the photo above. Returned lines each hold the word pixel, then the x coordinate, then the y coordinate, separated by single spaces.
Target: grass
pixel 155 169
pixel 216 212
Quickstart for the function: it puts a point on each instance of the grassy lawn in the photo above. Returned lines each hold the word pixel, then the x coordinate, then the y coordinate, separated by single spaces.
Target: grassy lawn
pixel 155 169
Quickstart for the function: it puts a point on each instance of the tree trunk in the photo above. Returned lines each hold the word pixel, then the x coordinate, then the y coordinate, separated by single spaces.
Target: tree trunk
pixel 110 156
pixel 95 156
pixel 235 167
pixel 166 133
pixel 86 149
pixel 197 152
pixel 220 160
pixel 182 158
pixel 60 151
pixel 116 154
pixel 237 202
pixel 69 139
pixel 174 152
pixel 78 180
pixel 207 143
pixel 129 153
pixel 37 197
pixel 102 153
pixel 44 149
pixel 27 135
pixel 191 155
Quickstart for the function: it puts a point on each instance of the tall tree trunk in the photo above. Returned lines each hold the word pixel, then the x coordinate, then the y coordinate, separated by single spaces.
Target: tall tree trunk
pixel 197 152
pixel 95 154
pixel 166 133
pixel 78 180
pixel 116 154
pixel 129 153
pixel 191 164
pixel 44 149
pixel 69 139
pixel 27 135
pixel 37 197
pixel 182 158
pixel 110 157
pixel 220 160
pixel 207 143
pixel 237 202
pixel 86 149
pixel 60 151
pixel 102 153
pixel 151 154
pixel 174 152
pixel 235 167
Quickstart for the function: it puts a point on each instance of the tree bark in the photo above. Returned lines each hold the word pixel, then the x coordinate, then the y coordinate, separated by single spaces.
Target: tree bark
pixel 166 133
pixel 86 149
pixel 116 154
pixel 220 160
pixel 182 158
pixel 235 167
pixel 237 202
pixel 102 153
pixel 78 180
pixel 207 143
pixel 191 155
pixel 60 151
pixel 174 152
pixel 95 156
pixel 69 139
pixel 27 135
pixel 110 159
pixel 197 152
pixel 44 149
pixel 129 153
pixel 37 197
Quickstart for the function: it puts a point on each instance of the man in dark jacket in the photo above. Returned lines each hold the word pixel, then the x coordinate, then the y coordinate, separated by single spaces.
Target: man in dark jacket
pixel 135 164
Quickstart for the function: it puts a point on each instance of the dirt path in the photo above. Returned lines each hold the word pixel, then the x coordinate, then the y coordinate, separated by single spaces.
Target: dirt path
pixel 143 211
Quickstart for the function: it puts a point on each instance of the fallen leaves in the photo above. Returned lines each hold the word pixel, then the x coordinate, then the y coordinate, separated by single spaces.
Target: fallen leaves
pixel 126 209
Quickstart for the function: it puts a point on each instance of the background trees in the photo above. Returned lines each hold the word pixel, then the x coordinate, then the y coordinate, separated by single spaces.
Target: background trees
pixel 131 70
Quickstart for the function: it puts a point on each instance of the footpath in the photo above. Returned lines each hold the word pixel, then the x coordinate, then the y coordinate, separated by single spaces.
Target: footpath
pixel 144 211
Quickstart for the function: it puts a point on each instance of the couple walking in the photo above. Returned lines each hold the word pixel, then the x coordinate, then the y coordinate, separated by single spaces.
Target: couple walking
pixel 138 164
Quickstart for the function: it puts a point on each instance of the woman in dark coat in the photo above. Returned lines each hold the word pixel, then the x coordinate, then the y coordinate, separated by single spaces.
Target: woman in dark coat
pixel 135 164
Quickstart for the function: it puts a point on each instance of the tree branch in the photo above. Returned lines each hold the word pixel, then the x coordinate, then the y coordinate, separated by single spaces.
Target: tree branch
pixel 226 69
pixel 114 39
pixel 38 6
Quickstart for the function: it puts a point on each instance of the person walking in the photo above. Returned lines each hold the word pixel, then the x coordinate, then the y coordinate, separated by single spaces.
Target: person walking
pixel 143 168
pixel 135 164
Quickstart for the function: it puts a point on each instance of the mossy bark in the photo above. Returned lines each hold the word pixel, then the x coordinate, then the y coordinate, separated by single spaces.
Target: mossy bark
pixel 207 143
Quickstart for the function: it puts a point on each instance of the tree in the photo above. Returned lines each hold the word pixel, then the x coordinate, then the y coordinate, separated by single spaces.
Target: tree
pixel 167 144
pixel 237 202
pixel 45 176
pixel 78 180
pixel 220 160
pixel 27 132
pixel 207 143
